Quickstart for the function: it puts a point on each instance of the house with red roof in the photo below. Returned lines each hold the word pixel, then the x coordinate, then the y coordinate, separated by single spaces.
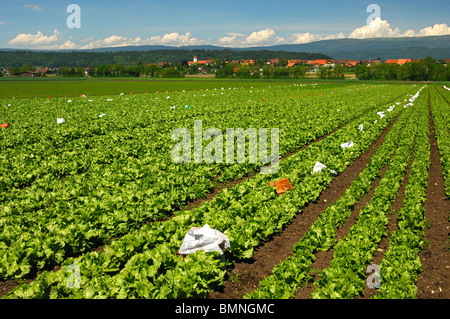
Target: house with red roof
pixel 403 61
pixel 201 62
pixel 398 61
pixel 294 62
pixel 321 62
pixel 273 61
pixel 247 62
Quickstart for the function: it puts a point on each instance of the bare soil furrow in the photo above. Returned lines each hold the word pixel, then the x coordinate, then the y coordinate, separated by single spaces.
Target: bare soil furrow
pixel 391 227
pixel 323 258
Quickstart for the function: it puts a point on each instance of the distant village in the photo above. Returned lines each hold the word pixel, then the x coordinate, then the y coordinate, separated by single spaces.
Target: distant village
pixel 207 67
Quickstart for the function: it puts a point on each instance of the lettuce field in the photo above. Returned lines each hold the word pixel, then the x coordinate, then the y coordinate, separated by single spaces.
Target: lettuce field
pixel 92 204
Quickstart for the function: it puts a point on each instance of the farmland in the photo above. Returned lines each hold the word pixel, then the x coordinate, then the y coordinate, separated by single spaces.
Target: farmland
pixel 72 87
pixel 100 197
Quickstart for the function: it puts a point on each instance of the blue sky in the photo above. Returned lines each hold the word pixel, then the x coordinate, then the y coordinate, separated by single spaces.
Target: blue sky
pixel 41 24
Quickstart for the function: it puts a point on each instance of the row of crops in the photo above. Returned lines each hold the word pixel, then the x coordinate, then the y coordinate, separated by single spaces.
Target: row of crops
pixel 110 180
pixel 346 276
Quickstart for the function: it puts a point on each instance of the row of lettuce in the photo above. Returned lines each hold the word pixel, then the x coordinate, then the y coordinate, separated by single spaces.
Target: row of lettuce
pixel 402 264
pixel 346 275
pixel 407 144
pixel 143 263
pixel 441 115
pixel 440 103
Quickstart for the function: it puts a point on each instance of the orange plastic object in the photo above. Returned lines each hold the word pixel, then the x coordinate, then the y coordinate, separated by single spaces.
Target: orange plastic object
pixel 5 125
pixel 282 185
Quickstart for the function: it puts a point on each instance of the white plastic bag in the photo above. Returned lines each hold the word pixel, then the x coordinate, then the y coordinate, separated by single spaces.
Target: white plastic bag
pixel 60 120
pixel 361 128
pixel 347 145
pixel 318 167
pixel 381 114
pixel 204 238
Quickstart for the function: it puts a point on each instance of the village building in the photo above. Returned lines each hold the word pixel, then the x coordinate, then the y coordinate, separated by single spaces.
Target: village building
pixel 43 71
pixel 320 62
pixel 273 61
pixel 400 61
pixel 295 62
pixel 27 74
pixel 373 62
pixel 247 62
pixel 201 62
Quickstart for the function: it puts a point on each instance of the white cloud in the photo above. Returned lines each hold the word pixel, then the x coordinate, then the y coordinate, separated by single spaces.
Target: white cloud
pixel 377 28
pixel 269 37
pixel 174 39
pixel 301 38
pixel 177 39
pixel 437 29
pixel 237 34
pixel 307 37
pixel 38 40
pixel 339 35
pixel 381 28
pixel 32 7
pixel 2 22
pixel 57 41
pixel 266 36
pixel 112 41
pixel 69 44
pixel 256 38
pixel 228 41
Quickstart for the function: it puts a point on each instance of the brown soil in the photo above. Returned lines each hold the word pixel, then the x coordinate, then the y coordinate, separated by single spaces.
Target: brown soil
pixel 391 227
pixel 323 258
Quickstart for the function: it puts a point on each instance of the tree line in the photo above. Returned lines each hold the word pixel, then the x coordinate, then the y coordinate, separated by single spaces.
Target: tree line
pixel 221 69
pixel 261 70
pixel 428 69
pixel 55 59
pixel 117 70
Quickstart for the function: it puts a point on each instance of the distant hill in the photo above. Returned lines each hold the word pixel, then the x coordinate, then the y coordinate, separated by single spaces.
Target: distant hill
pixel 385 48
